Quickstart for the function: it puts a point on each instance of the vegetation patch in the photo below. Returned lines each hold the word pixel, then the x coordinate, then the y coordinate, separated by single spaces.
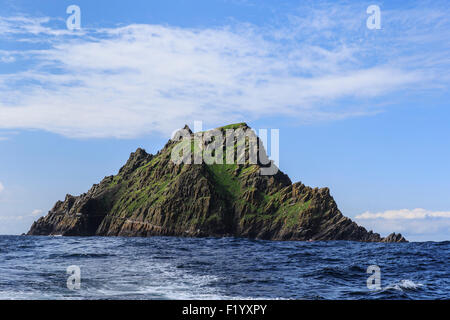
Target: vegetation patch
pixel 290 214
pixel 223 176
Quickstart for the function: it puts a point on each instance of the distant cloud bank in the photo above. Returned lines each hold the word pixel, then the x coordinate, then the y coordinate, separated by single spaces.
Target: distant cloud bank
pixel 416 224
pixel 404 214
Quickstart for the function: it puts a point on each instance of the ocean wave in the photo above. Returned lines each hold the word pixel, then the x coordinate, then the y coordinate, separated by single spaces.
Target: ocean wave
pixel 338 272
pixel 80 255
pixel 404 285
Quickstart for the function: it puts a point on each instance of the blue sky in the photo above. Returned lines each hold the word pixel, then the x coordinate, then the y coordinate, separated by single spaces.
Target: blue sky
pixel 364 112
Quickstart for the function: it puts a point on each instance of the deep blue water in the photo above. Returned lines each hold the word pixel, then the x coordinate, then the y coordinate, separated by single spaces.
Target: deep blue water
pixel 227 268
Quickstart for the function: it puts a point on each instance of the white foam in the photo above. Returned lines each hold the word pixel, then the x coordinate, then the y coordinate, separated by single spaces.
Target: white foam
pixel 404 285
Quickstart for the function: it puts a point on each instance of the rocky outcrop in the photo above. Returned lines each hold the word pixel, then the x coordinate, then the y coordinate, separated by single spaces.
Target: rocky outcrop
pixel 394 237
pixel 151 195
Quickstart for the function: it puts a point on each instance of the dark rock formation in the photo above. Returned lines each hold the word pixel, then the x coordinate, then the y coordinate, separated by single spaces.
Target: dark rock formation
pixel 393 237
pixel 151 195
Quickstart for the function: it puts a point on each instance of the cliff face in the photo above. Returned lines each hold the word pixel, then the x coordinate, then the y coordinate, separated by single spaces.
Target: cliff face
pixel 151 195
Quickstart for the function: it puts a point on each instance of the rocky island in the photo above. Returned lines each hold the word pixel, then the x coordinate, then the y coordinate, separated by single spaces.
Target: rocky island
pixel 153 196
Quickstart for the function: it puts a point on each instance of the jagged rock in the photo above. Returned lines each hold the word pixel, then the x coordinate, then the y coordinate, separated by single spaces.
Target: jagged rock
pixel 394 237
pixel 151 195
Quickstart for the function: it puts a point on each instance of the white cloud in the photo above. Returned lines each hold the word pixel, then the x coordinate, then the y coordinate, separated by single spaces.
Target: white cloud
pixel 11 218
pixel 138 79
pixel 21 25
pixel 416 224
pixel 22 217
pixel 405 214
pixel 6 58
pixel 1 187
pixel 37 212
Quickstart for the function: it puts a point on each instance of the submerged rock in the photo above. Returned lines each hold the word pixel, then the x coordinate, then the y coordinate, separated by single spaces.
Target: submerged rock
pixel 151 195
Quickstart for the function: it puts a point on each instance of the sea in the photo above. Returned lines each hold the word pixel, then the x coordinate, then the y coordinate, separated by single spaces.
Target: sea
pixel 219 268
